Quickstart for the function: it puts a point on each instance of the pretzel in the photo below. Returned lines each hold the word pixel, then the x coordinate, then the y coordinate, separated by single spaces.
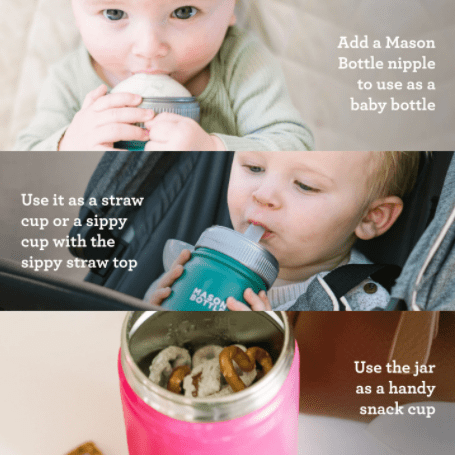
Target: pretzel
pixel 164 363
pixel 89 448
pixel 205 353
pixel 246 362
pixel 262 357
pixel 246 377
pixel 204 380
pixel 175 381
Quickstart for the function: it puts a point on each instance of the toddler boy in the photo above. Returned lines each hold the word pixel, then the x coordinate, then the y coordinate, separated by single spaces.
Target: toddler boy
pixel 239 85
pixel 313 205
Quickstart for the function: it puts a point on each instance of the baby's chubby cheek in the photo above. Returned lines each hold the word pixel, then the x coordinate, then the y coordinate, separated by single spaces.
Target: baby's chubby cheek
pixel 234 210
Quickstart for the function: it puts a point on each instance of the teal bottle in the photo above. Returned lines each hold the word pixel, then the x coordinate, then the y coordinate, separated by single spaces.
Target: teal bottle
pixel 223 264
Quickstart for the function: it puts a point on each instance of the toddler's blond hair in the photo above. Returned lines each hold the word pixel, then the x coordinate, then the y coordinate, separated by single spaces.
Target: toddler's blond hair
pixel 395 174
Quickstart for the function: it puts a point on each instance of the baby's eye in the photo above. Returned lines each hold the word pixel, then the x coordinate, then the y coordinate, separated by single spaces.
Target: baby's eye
pixel 306 188
pixel 185 12
pixel 254 169
pixel 114 14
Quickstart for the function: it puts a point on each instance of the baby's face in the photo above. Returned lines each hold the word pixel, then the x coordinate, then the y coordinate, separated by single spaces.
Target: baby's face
pixel 309 202
pixel 125 37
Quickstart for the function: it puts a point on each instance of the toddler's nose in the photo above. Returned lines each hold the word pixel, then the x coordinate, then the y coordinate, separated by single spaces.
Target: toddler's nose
pixel 150 42
pixel 267 196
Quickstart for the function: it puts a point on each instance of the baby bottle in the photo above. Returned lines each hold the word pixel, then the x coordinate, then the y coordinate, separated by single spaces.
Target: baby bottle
pixel 223 264
pixel 160 93
pixel 261 419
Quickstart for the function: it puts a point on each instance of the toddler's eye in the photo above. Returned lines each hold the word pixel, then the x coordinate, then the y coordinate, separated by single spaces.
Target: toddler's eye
pixel 254 169
pixel 114 14
pixel 185 12
pixel 306 188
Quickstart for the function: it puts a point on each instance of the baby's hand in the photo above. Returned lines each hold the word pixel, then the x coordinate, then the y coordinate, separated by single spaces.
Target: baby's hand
pixel 258 302
pixel 105 119
pixel 163 289
pixel 172 132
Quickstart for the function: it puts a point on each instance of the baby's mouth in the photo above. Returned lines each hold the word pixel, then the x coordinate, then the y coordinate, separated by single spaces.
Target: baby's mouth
pixel 151 72
pixel 172 74
pixel 266 235
pixel 267 232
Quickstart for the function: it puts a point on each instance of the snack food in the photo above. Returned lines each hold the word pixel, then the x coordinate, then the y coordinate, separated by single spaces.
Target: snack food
pixel 88 448
pixel 164 363
pixel 209 352
pixel 175 380
pixel 245 360
pixel 204 380
pixel 215 371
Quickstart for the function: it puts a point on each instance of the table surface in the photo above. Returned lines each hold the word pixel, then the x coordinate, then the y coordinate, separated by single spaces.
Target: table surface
pixel 60 389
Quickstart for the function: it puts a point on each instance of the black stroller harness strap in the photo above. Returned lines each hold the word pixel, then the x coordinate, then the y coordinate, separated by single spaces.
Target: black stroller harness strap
pixel 347 277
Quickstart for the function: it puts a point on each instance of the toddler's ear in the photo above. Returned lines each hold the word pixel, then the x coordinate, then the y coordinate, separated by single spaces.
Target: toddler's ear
pixel 381 215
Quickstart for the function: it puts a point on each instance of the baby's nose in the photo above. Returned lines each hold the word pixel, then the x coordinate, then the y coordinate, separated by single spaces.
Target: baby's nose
pixel 150 42
pixel 267 196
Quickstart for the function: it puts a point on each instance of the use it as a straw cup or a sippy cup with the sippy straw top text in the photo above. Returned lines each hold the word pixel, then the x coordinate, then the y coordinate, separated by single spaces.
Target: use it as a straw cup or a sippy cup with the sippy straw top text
pixel 160 93
pixel 224 264
pixel 260 419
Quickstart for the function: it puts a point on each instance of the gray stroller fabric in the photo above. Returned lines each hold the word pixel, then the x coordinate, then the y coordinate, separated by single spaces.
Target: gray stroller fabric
pixel 428 278
pixel 187 198
pixel 127 174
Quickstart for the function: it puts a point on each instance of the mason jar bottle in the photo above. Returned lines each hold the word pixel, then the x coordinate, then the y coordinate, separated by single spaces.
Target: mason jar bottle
pixel 223 264
pixel 262 418
pixel 184 106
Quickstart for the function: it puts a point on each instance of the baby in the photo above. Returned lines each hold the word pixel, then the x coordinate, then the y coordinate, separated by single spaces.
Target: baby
pixel 238 84
pixel 313 205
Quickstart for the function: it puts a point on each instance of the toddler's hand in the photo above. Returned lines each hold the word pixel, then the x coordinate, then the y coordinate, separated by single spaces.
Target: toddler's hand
pixel 163 289
pixel 173 132
pixel 258 302
pixel 105 119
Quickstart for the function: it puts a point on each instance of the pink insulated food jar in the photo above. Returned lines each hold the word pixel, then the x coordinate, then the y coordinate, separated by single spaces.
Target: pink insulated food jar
pixel 262 418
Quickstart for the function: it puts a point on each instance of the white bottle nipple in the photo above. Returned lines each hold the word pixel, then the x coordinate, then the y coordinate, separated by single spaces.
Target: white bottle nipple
pixel 254 233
